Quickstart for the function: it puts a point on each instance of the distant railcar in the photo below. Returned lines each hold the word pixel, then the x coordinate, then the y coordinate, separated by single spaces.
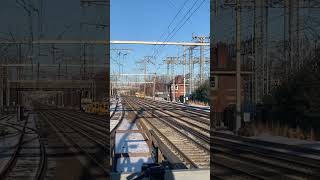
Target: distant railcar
pixel 85 102
pixel 103 108
pixel 139 94
pixel 99 108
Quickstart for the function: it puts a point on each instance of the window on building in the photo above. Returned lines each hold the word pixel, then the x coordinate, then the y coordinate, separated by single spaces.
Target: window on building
pixel 214 82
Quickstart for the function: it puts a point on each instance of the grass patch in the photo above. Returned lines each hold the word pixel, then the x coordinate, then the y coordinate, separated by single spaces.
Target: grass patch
pixel 285 131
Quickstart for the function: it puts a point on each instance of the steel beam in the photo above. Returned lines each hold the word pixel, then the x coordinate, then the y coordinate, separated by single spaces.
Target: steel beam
pixel 56 42
pixel 161 43
pixel 104 42
pixel 231 73
pixel 51 65
pixel 49 84
pixel 147 82
pixel 150 74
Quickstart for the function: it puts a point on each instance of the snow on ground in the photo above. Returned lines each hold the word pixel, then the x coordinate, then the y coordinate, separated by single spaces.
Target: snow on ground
pixel 204 108
pixel 8 143
pixel 113 124
pixel 7 146
pixel 117 116
pixel 112 105
pixel 200 106
pixel 126 125
pixel 132 164
pixel 11 139
pixel 178 174
pixel 131 142
pixel 156 98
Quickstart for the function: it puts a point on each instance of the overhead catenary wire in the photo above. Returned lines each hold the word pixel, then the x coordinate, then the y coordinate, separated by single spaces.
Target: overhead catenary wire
pixel 177 28
pixel 171 22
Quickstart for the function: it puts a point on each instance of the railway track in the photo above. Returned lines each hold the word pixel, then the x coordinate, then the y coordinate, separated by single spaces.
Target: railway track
pixel 193 126
pixel 234 157
pixel 179 112
pixel 252 159
pixel 116 117
pixel 181 109
pixel 115 109
pixel 115 121
pixel 88 137
pixel 75 141
pixel 28 159
pixel 97 122
pixel 185 144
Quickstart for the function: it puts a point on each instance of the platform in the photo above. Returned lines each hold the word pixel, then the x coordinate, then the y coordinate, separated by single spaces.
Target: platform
pixel 187 174
pixel 288 141
pixel 131 148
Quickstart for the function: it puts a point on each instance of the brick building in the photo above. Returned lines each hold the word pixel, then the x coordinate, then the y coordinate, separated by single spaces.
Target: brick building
pixel 178 90
pixel 223 83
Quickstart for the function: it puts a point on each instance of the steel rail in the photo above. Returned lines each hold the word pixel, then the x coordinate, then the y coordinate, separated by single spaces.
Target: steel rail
pixel 189 161
pixel 192 110
pixel 115 109
pixel 43 159
pixel 175 124
pixel 264 155
pixel 191 118
pixel 49 119
pixel 10 164
pixel 81 129
pixel 95 124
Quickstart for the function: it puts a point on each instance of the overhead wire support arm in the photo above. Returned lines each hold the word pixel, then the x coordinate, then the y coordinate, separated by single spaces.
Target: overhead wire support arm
pixel 103 42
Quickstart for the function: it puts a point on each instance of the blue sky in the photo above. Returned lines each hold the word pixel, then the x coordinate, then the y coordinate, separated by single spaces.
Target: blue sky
pixel 147 20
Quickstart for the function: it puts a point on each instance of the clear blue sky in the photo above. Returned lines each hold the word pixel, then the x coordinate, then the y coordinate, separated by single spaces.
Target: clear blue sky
pixel 147 20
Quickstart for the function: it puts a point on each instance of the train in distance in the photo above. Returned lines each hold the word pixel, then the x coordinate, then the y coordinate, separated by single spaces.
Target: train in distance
pixel 94 107
pixel 139 94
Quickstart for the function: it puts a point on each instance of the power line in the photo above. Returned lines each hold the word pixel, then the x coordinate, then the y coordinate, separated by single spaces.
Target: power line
pixel 173 19
pixel 175 31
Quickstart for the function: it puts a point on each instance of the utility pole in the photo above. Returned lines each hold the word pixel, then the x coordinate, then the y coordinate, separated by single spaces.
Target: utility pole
pixel 154 88
pixel 238 65
pixel 145 78
pixel 184 75
pixel 1 87
pixel 201 39
pixel 120 52
pixel 147 59
pixel 259 28
pixel 8 91
pixel 201 64
pixel 266 59
pixel 190 70
pixel 84 61
pixel 290 21
pixel 173 83
pixel 172 61
pixel 299 61
pixel 168 79
pixel 5 79
pixel 59 68
pixel 19 76
pixel 53 53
